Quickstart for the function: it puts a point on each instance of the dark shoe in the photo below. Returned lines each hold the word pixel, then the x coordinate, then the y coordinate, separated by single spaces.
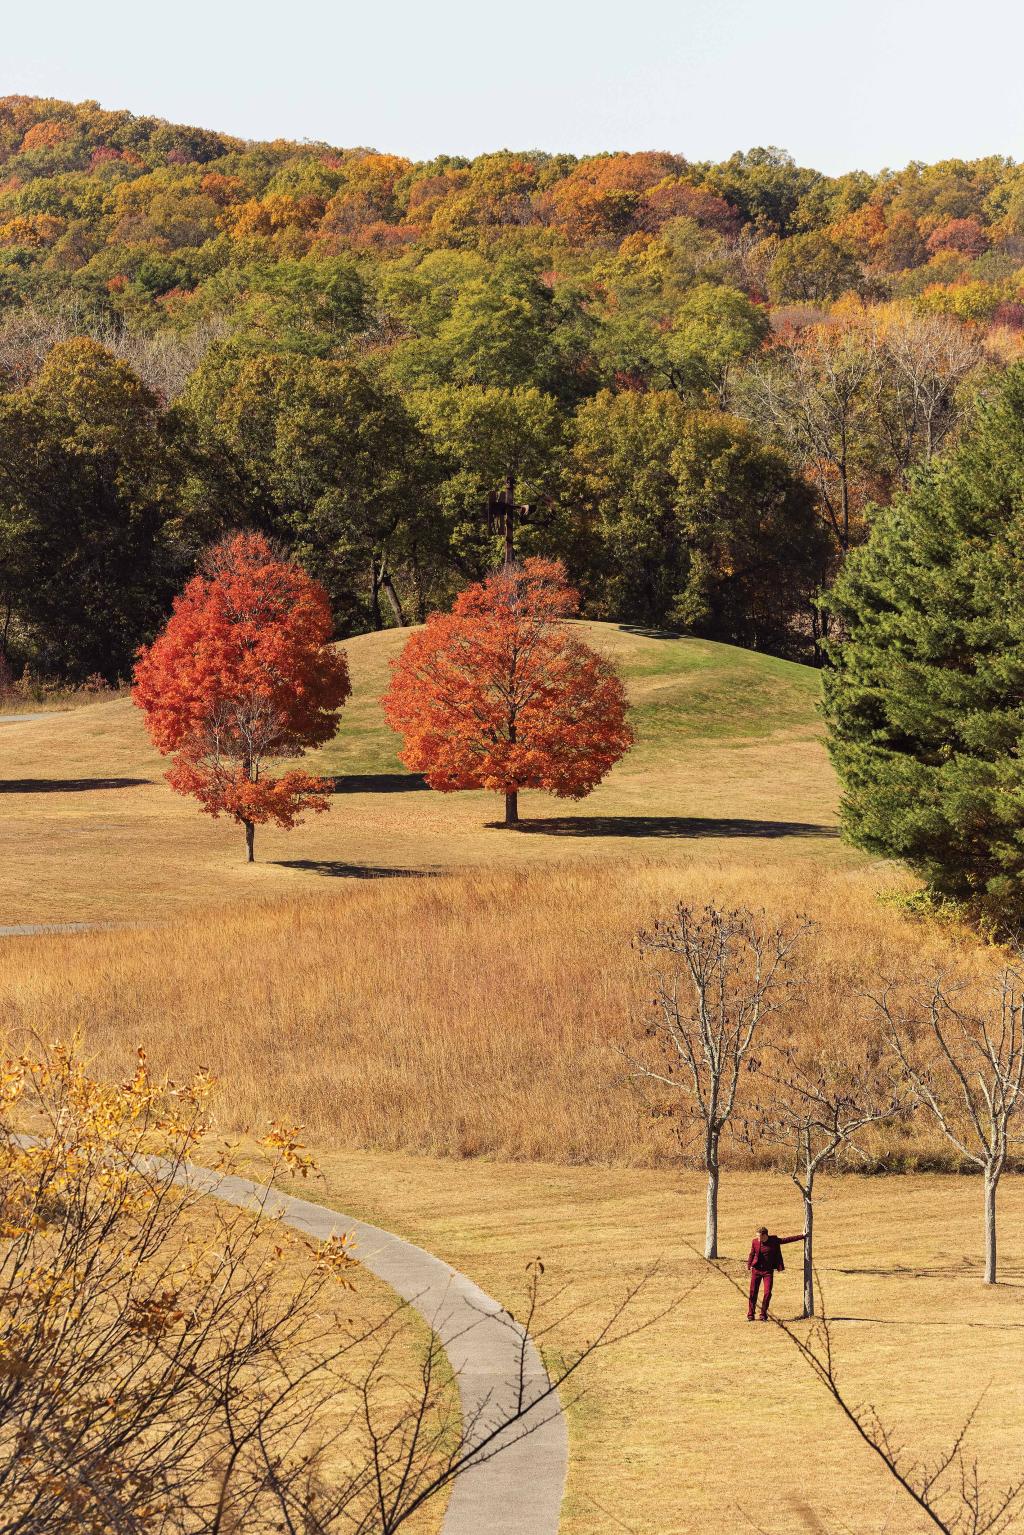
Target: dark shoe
pixel 750 1318
pixel 763 1319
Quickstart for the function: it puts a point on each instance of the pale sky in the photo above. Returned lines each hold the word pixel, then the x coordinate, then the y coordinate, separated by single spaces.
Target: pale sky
pixel 842 84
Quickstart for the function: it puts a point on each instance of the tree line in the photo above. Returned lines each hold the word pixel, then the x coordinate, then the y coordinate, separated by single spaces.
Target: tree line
pixel 700 377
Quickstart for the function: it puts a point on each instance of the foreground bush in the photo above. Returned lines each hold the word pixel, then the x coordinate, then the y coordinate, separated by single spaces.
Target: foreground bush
pixel 172 1364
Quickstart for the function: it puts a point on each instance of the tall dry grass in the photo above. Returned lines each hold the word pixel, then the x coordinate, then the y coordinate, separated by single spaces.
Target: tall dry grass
pixel 472 1014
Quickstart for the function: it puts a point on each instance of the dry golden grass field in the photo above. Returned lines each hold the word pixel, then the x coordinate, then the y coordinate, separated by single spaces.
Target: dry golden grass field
pixel 704 1422
pixel 728 763
pixel 451 1040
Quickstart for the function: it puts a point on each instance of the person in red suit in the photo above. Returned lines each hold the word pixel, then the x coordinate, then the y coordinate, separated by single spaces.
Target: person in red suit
pixel 765 1258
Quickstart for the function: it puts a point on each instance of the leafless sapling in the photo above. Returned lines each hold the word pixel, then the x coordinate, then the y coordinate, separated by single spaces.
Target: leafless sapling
pixel 718 982
pixel 819 1103
pixel 964 1063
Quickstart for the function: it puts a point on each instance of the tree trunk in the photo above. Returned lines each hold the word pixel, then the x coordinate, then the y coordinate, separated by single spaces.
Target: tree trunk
pixel 375 617
pixel 394 602
pixel 512 808
pixel 991 1184
pixel 711 1221
pixel 250 839
pixel 808 1194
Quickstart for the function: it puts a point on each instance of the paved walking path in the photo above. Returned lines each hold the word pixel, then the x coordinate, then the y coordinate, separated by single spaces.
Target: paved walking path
pixel 519 1492
pixel 41 714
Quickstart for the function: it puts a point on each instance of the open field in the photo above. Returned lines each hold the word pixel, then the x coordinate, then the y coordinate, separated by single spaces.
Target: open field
pixel 704 1422
pixel 472 1014
pixel 728 768
pixel 452 1041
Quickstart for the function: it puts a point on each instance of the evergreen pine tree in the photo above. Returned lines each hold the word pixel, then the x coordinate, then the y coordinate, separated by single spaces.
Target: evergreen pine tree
pixel 925 696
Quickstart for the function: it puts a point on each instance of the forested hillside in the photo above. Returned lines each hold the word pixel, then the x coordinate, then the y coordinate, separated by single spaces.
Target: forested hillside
pixel 701 376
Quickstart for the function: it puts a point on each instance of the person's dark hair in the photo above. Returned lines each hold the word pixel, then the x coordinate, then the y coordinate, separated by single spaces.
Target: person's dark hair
pixel 762 1231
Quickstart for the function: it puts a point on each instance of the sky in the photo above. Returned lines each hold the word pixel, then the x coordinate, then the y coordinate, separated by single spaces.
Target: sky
pixel 841 84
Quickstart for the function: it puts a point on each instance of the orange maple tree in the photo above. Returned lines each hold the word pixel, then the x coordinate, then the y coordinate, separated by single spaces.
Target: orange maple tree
pixel 500 695
pixel 243 673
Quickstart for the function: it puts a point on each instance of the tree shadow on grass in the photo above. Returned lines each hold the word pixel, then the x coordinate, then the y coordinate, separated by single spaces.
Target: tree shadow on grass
pixel 648 633
pixel 377 783
pixel 67 785
pixel 922 1321
pixel 334 868
pixel 666 826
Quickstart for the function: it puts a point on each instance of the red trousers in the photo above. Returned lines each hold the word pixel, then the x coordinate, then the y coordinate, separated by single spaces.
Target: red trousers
pixel 756 1280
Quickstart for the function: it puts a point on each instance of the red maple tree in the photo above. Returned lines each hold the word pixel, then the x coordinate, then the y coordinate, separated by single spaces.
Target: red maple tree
pixel 499 694
pixel 243 673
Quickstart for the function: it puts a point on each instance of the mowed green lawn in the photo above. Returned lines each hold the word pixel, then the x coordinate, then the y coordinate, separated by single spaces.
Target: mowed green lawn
pixel 728 763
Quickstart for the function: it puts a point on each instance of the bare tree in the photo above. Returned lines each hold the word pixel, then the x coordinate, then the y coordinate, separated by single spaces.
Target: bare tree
pixel 724 971
pixel 819 1103
pixel 966 1067
pixel 814 391
pixel 163 359
pixel 921 362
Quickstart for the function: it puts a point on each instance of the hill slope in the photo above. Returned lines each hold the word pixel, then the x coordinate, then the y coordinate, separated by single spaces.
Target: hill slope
pixel 728 756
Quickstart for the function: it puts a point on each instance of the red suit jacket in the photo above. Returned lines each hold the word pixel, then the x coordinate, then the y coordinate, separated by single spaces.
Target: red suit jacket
pixel 766 1256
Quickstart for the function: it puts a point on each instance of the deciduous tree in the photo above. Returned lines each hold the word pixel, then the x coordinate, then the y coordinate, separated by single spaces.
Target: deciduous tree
pixel 817 1104
pixel 243 675
pixel 964 1061
pixel 718 983
pixel 499 695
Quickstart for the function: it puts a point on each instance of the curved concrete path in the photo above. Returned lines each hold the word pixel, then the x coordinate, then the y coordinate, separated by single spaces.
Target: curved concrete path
pixel 20 719
pixel 518 1491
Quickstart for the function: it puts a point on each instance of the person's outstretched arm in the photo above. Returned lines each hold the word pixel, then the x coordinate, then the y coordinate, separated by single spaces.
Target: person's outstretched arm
pixel 799 1238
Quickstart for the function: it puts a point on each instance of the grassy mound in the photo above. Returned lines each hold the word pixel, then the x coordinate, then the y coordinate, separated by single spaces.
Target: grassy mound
pixel 728 755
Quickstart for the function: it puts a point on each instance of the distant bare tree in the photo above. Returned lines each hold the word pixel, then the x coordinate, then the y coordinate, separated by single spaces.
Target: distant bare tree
pixel 820 1101
pixel 921 361
pixel 164 360
pixel 966 1067
pixel 814 392
pixel 724 971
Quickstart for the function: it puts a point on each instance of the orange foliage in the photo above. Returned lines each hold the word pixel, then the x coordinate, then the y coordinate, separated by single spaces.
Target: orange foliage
pixel 33 230
pixel 222 189
pixel 499 695
pixel 603 196
pixel 45 135
pixel 243 672
pixel 965 236
pixel 275 212
pixel 675 198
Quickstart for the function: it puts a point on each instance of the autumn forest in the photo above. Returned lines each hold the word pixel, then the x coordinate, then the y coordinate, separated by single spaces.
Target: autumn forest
pixel 701 377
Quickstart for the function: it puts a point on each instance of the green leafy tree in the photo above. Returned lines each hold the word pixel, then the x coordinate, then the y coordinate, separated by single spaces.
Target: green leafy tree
pixel 88 480
pixel 326 456
pixel 924 698
pixel 692 347
pixel 484 435
pixel 696 523
pixel 812 268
